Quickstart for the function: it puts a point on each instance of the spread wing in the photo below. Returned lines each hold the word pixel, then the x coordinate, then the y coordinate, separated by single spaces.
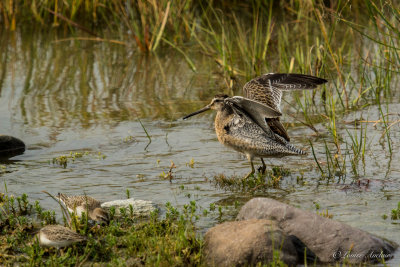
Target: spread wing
pixel 244 133
pixel 254 111
pixel 268 89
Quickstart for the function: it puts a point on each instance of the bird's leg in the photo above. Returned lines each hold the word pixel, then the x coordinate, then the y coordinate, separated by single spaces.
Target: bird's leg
pixel 264 167
pixel 59 252
pixel 252 168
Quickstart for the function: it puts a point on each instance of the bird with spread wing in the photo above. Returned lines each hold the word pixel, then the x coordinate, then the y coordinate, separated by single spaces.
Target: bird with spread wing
pixel 251 124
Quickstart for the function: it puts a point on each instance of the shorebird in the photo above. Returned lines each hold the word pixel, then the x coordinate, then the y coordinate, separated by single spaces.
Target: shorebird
pixel 251 125
pixel 79 204
pixel 58 236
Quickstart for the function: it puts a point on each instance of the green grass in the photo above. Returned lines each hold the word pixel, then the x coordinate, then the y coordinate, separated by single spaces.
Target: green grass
pixel 257 183
pixel 142 23
pixel 354 46
pixel 64 160
pixel 168 241
pixel 395 214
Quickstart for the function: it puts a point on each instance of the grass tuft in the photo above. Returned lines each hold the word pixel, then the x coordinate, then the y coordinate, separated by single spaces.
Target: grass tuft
pixel 169 241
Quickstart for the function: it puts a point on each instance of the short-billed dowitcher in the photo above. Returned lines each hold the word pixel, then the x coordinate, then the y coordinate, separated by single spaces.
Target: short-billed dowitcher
pixel 251 125
pixel 58 236
pixel 79 204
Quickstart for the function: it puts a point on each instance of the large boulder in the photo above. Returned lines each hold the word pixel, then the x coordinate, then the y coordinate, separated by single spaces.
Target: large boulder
pixel 247 243
pixel 10 146
pixel 140 208
pixel 330 240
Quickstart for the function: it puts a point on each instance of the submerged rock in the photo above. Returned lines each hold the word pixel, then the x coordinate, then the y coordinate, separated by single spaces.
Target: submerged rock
pixel 246 243
pixel 140 208
pixel 330 240
pixel 10 146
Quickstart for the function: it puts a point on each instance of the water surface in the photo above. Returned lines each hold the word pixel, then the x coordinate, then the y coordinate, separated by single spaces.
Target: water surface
pixel 82 96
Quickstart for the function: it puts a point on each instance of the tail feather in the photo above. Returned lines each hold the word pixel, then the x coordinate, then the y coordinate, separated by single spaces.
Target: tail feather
pixel 291 148
pixel 295 150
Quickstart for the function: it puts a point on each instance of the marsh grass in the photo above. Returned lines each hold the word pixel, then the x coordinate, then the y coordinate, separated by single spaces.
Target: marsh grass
pixel 143 23
pixel 358 147
pixel 171 241
pixel 64 160
pixel 325 214
pixel 256 183
pixel 320 41
pixel 395 213
pixel 169 175
pixel 356 47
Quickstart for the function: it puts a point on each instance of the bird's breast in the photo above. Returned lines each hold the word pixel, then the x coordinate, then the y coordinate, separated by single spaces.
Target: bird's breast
pixel 222 126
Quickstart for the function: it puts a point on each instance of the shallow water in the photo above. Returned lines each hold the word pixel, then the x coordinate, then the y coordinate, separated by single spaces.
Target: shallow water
pixel 83 96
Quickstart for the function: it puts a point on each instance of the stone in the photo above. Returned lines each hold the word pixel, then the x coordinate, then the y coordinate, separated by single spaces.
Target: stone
pixel 10 146
pixel 246 243
pixel 331 241
pixel 141 208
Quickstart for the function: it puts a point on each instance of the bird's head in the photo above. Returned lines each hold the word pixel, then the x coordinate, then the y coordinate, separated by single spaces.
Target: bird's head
pixel 217 103
pixel 99 215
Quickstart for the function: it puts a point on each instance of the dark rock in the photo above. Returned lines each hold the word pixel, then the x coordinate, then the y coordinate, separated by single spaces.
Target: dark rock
pixel 304 254
pixel 247 243
pixel 10 146
pixel 330 240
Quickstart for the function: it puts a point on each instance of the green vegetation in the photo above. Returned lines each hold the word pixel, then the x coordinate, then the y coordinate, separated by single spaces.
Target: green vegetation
pixel 169 241
pixel 254 184
pixel 395 214
pixel 129 139
pixel 63 160
pixel 169 175
pixel 2 169
pixel 355 45
pixel 323 213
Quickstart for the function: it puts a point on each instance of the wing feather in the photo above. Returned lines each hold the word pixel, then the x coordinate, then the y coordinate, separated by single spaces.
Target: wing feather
pixel 268 89
pixel 256 112
pixel 245 135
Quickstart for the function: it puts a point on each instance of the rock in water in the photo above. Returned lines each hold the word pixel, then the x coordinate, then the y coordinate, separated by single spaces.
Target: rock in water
pixel 10 146
pixel 140 208
pixel 246 243
pixel 330 240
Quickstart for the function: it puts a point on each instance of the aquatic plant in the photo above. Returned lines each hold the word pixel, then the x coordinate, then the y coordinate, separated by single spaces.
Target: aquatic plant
pixel 169 175
pixel 171 241
pixel 63 160
pixel 395 214
pixel 254 184
pixel 354 46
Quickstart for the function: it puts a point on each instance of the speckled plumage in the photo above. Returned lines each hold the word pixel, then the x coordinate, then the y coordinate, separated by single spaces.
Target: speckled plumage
pixel 268 89
pixel 237 128
pixel 58 236
pixel 79 204
pixel 243 135
pixel 244 125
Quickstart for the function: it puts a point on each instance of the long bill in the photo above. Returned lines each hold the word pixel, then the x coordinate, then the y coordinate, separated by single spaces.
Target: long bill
pixel 197 112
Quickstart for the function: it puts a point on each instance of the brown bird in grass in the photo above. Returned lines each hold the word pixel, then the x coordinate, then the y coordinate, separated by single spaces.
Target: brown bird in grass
pixel 79 204
pixel 58 236
pixel 251 125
